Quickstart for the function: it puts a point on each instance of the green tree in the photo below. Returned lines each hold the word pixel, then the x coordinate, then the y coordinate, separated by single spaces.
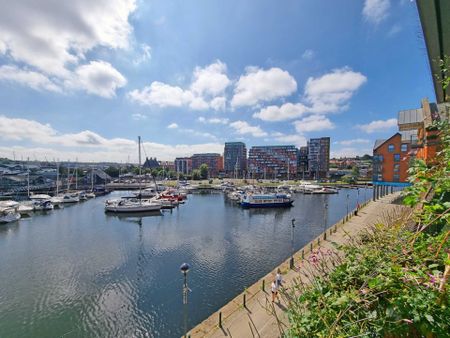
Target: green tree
pixel 112 171
pixel 204 171
pixel 355 172
pixel 196 174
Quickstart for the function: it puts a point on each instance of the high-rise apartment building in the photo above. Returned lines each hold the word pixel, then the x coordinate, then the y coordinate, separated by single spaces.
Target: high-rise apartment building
pixel 235 159
pixel 302 165
pixel 183 165
pixel 273 161
pixel 318 157
pixel 212 160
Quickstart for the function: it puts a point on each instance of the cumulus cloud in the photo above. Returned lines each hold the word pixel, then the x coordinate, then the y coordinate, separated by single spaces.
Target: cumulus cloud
pixel 259 85
pixel 172 126
pixel 284 112
pixel 139 116
pixel 328 93
pixel 85 145
pixel 146 54
pixel 50 35
pixel 331 92
pixel 206 90
pixel 27 78
pixel 313 123
pixel 349 152
pixel 375 11
pixel 378 125
pixel 97 77
pixel 243 128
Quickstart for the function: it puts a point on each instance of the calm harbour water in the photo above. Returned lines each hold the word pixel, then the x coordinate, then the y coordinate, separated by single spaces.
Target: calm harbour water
pixel 78 272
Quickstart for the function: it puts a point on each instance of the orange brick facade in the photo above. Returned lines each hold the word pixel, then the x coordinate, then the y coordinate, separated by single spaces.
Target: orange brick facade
pixel 391 160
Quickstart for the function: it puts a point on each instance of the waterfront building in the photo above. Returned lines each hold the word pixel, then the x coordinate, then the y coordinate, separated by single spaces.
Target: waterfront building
pixel 167 165
pixel 214 162
pixel 318 157
pixel 235 159
pixel 183 165
pixel 150 163
pixel 302 165
pixel 273 161
pixel 391 160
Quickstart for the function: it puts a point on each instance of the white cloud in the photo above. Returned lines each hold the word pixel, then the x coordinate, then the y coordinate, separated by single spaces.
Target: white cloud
pixel 50 35
pixel 308 54
pixel 395 29
pixel 349 152
pixel 146 54
pixel 213 120
pixel 243 128
pixel 172 126
pixel 281 113
pixel 85 145
pixel 259 85
pixel 313 123
pixel 328 93
pixel 139 116
pixel 97 77
pixel 296 139
pixel 28 78
pixel 331 92
pixel 206 90
pixel 378 125
pixel 375 11
pixel 354 141
pixel 161 94
pixel 211 80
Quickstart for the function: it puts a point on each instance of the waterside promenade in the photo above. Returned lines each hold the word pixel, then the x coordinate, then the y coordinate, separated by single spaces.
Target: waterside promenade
pixel 252 314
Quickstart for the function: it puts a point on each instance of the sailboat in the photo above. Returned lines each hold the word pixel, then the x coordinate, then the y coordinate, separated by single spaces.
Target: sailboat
pixel 134 205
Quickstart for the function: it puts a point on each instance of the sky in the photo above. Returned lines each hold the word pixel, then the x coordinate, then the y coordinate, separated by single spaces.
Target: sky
pixel 80 80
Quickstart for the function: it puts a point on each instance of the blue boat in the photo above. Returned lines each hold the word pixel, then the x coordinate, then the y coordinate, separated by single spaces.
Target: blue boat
pixel 267 201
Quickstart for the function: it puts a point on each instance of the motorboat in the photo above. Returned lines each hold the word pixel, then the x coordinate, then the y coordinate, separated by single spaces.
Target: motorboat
pixel 25 208
pixel 42 205
pixel 8 215
pixel 131 205
pixel 69 198
pixel 39 197
pixel 324 190
pixel 266 201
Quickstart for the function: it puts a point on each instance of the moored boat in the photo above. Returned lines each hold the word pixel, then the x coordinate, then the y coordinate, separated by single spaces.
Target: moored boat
pixel 8 215
pixel 266 201
pixel 131 205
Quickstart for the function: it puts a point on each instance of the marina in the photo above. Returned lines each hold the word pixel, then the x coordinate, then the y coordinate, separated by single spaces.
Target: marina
pixel 79 271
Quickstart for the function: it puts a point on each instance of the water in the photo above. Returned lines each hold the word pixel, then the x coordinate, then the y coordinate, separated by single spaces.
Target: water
pixel 77 272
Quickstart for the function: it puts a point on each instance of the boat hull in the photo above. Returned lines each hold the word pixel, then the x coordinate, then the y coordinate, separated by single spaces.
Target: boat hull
pixel 266 205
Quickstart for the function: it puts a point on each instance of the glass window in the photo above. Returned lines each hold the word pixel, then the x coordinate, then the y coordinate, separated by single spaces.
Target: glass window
pixel 396 157
pixel 396 177
pixel 396 167
pixel 391 148
pixel 404 147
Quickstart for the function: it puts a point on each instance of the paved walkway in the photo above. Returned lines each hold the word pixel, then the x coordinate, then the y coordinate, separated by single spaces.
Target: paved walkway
pixel 262 318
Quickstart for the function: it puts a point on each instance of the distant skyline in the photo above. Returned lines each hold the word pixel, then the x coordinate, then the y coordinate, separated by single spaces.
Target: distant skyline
pixel 81 80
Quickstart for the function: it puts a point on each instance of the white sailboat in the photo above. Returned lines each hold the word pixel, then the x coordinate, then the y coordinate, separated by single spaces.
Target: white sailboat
pixel 133 205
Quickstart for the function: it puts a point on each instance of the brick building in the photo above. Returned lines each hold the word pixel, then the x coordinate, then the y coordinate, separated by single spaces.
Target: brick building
pixel 214 162
pixel 273 161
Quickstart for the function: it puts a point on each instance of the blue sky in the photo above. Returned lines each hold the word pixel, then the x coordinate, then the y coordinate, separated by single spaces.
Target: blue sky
pixel 82 80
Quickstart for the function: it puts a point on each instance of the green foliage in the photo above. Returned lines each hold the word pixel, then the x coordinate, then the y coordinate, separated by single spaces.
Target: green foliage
pixel 196 174
pixel 382 288
pixel 204 171
pixel 350 179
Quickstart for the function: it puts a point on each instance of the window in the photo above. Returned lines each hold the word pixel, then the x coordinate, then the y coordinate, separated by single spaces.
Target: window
pixel 396 177
pixel 391 148
pixel 396 157
pixel 404 147
pixel 396 168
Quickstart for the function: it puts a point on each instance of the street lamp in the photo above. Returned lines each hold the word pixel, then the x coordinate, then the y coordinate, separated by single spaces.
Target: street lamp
pixel 184 268
pixel 291 262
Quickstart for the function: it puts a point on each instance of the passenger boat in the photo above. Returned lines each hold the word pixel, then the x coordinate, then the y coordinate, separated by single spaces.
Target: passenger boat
pixel 8 215
pixel 266 201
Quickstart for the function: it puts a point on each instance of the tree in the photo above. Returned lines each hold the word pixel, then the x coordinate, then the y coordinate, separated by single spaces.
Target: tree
pixel 204 171
pixel 348 179
pixel 355 172
pixel 196 174
pixel 112 171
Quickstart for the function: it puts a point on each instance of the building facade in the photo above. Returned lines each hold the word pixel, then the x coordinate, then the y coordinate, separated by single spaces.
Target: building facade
pixel 183 165
pixel 235 159
pixel 302 165
pixel 391 159
pixel 318 157
pixel 273 161
pixel 213 160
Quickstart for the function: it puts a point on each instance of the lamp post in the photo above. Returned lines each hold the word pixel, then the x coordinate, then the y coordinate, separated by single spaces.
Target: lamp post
pixel 348 196
pixel 291 262
pixel 184 268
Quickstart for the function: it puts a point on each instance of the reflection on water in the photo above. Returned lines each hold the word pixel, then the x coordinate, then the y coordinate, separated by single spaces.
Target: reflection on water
pixel 79 272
